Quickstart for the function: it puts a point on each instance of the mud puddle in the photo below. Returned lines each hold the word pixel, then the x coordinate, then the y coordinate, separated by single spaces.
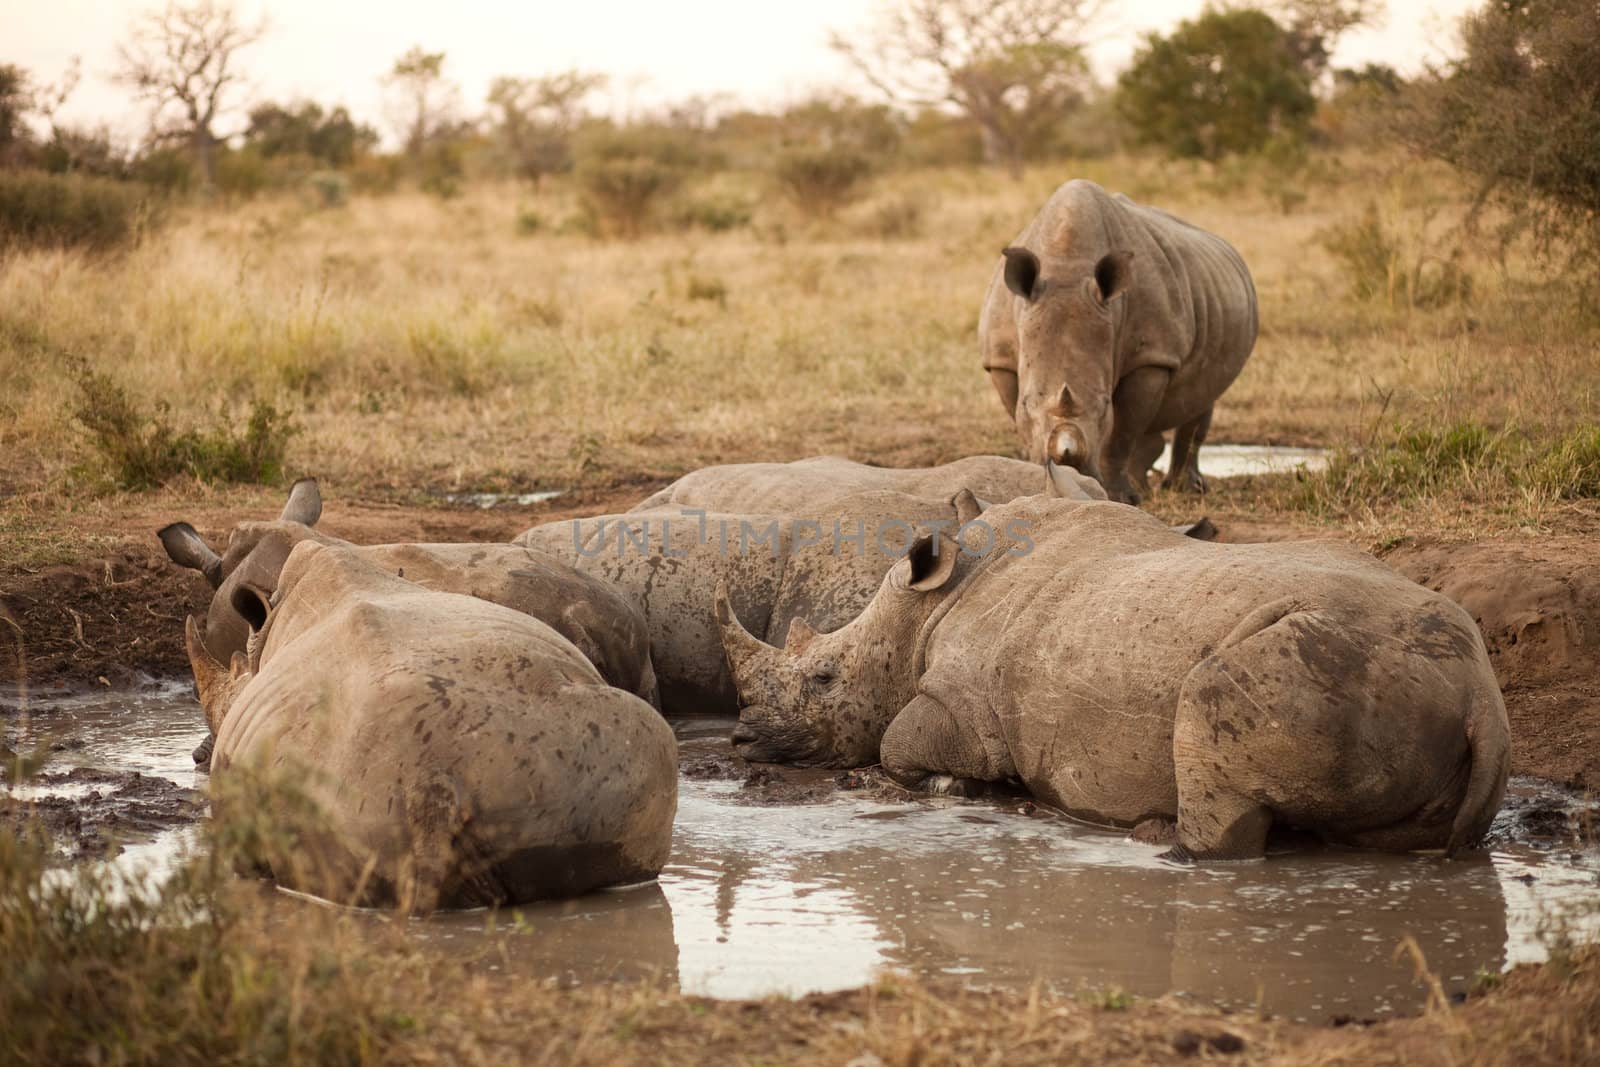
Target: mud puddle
pixel 794 882
pixel 1228 461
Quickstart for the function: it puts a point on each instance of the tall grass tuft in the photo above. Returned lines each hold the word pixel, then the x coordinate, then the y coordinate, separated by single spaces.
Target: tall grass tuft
pixel 141 449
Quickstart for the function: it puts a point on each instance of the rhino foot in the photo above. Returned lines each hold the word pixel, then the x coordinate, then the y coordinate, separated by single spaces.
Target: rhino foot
pixel 946 785
pixel 1188 480
pixel 1177 854
pixel 1156 831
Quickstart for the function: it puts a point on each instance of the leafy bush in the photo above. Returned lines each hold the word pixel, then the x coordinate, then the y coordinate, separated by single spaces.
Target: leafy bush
pixel 820 182
pixel 1229 81
pixel 1375 264
pixel 41 209
pixel 142 450
pixel 622 194
pixel 718 214
pixel 1518 111
pixel 330 188
pixel 899 218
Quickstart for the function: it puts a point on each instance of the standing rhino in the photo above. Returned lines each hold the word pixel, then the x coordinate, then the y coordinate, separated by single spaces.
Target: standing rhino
pixel 1124 673
pixel 1106 323
pixel 806 485
pixel 590 614
pixel 453 752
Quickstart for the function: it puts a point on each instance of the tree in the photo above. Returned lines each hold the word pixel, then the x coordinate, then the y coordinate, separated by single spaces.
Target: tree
pixel 180 60
pixel 425 102
pixel 1229 81
pixel 1013 67
pixel 1313 27
pixel 536 118
pixel 1520 111
pixel 331 138
pixel 16 100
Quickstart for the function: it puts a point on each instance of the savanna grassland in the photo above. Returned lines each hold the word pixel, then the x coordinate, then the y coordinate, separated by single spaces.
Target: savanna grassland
pixel 423 345
pixel 404 347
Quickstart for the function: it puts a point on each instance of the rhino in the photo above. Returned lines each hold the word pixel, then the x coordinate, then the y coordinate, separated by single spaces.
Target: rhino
pixel 452 752
pixel 1125 674
pixel 1107 323
pixel 668 560
pixel 594 617
pixel 807 485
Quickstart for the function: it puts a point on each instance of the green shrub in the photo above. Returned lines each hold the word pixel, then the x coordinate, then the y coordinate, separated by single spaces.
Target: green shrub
pixel 529 221
pixel 329 188
pixel 141 450
pixel 38 209
pixel 1378 267
pixel 1570 467
pixel 718 214
pixel 821 182
pixel 897 219
pixel 442 170
pixel 622 195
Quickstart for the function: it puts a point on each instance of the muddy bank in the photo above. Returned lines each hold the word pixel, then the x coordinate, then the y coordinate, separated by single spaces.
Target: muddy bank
pixel 90 813
pixel 116 615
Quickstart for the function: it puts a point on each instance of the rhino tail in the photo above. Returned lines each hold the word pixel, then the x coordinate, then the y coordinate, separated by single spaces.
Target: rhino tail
pixel 1489 745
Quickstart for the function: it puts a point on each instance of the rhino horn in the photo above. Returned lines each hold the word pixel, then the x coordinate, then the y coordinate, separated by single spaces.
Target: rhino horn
pixel 185 548
pixel 211 678
pixel 968 507
pixel 304 504
pixel 743 649
pixel 800 635
pixel 1059 481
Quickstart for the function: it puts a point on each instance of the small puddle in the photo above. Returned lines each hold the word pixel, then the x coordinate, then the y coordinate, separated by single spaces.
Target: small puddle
pixel 502 500
pixel 1228 461
pixel 764 898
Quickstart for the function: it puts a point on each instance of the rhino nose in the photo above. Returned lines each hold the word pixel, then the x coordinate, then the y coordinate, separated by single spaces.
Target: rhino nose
pixel 1066 447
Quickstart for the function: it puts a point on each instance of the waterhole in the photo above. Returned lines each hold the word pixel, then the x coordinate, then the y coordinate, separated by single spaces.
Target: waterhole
pixel 1228 461
pixel 827 890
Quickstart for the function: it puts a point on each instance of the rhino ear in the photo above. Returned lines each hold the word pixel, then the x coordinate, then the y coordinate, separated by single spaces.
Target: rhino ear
pixel 1113 275
pixel 968 506
pixel 186 549
pixel 305 503
pixel 253 604
pixel 930 562
pixel 1022 271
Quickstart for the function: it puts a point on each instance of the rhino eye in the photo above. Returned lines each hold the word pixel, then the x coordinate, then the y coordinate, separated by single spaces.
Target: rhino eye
pixel 825 675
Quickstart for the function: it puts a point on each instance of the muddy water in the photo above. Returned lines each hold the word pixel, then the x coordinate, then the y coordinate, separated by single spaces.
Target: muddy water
pixel 763 898
pixel 1227 461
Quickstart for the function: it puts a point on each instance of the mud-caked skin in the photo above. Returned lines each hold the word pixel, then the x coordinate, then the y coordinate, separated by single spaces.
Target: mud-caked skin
pixel 590 614
pixel 806 485
pixel 668 565
pixel 454 752
pixel 1123 673
pixel 1107 323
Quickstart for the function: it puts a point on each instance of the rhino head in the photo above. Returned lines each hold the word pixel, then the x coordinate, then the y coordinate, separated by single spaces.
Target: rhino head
pixel 255 555
pixel 825 700
pixel 1067 317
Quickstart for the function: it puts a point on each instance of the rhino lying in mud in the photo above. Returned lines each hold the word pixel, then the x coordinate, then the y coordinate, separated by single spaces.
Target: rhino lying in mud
pixel 807 485
pixel 593 616
pixel 820 563
pixel 1107 323
pixel 667 562
pixel 1123 673
pixel 455 752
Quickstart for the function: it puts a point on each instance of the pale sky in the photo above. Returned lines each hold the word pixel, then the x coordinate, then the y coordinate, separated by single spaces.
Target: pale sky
pixel 656 51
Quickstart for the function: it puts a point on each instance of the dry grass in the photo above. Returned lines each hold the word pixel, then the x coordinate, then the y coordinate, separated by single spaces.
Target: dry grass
pixel 427 345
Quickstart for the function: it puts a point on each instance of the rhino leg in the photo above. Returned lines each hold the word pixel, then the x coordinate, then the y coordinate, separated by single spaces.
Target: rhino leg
pixel 1183 474
pixel 930 749
pixel 1134 406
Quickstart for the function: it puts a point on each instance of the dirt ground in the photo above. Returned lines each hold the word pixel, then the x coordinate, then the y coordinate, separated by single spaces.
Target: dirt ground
pixel 117 613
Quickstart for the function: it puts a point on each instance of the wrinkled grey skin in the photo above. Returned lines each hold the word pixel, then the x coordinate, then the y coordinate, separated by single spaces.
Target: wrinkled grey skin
pixel 455 753
pixel 1123 673
pixel 668 566
pixel 590 614
pixel 1107 323
pixel 807 485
